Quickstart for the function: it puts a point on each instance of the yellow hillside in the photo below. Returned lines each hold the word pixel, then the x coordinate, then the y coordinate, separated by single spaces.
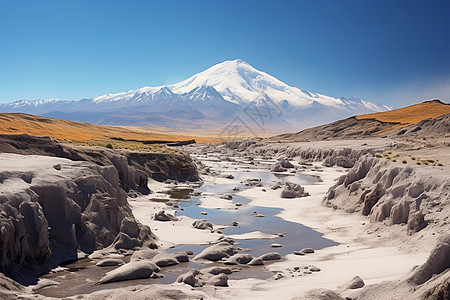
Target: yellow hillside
pixel 18 123
pixel 411 114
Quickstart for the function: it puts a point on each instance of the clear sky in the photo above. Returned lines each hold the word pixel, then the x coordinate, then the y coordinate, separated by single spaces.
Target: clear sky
pixel 393 52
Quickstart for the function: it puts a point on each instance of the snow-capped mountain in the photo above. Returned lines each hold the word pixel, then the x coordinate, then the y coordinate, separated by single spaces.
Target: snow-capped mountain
pixel 215 96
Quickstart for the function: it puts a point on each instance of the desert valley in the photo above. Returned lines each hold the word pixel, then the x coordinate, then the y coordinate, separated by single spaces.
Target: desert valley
pixel 172 150
pixel 355 209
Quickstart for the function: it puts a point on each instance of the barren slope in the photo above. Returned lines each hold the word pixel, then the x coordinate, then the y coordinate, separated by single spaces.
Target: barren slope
pixel 18 123
pixel 429 112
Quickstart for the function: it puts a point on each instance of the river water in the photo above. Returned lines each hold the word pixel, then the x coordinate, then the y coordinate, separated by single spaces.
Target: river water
pixel 81 276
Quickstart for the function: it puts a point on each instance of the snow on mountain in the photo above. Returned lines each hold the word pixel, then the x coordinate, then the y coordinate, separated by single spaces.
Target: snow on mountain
pixel 217 94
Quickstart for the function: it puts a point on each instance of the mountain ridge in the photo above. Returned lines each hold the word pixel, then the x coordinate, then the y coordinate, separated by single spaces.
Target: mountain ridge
pixel 217 94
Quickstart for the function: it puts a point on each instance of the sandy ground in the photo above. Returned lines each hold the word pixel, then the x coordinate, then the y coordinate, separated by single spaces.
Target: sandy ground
pixel 359 252
pixel 354 255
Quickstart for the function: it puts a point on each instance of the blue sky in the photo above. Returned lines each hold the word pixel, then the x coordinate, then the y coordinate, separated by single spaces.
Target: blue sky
pixel 392 52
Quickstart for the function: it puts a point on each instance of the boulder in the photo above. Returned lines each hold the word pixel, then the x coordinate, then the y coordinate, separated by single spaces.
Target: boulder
pixel 256 261
pixel 277 185
pixel 165 217
pixel 219 280
pixel 242 258
pixel 278 168
pixel 355 283
pixel 190 278
pixel 270 256
pixel 109 262
pixel 181 256
pixel 293 190
pixel 217 252
pixel 253 182
pixel 146 254
pixel 130 271
pixel 286 164
pixel 165 260
pixel 202 224
pixel 123 241
pixel 307 250
pixel 217 270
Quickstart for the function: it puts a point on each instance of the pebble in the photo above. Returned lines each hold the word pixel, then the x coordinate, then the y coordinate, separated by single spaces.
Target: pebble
pixel 276 245
pixel 307 250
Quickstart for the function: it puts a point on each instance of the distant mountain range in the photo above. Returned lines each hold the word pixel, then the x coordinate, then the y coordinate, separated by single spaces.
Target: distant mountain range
pixel 224 93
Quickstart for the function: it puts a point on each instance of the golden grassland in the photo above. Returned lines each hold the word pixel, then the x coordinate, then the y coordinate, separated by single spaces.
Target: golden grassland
pixel 88 134
pixel 410 114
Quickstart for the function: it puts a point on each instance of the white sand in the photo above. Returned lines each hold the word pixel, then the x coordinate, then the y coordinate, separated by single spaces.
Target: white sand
pixel 338 264
pixel 354 255
pixel 169 233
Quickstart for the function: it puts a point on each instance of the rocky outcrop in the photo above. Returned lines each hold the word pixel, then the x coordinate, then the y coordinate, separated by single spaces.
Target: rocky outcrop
pixel 392 193
pixel 133 168
pixel 293 190
pixel 439 126
pixel 330 155
pixel 48 214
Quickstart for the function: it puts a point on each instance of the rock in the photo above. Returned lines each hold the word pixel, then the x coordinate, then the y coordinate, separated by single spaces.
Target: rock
pixel 204 213
pixel 276 186
pixel 165 260
pixel 340 160
pixel 146 254
pixel 253 182
pixel 258 215
pixel 437 262
pixel 298 252
pixel 278 168
pixel 314 269
pixel 416 222
pixel 305 163
pixel 286 164
pixel 270 256
pixel 217 270
pixel 130 271
pixel 238 204
pixel 234 223
pixel 307 250
pixel 355 283
pixel 228 176
pixel 202 224
pixel 57 167
pixel 130 227
pixel 181 256
pixel 109 262
pixel 275 245
pixel 293 190
pixel 277 276
pixel 219 280
pixel 163 217
pixel 190 278
pixel 242 258
pixel 256 261
pixel 217 252
pixel 320 294
pixel 226 197
pixel 123 241
pixel 189 252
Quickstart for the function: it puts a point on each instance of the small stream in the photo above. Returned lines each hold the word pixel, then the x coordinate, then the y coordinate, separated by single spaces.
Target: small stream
pixel 81 277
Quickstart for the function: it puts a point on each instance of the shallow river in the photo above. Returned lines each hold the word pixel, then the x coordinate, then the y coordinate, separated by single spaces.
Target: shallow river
pixel 81 276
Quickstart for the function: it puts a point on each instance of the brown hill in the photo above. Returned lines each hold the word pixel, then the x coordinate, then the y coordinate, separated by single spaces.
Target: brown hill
pixel 376 124
pixel 18 123
pixel 411 114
